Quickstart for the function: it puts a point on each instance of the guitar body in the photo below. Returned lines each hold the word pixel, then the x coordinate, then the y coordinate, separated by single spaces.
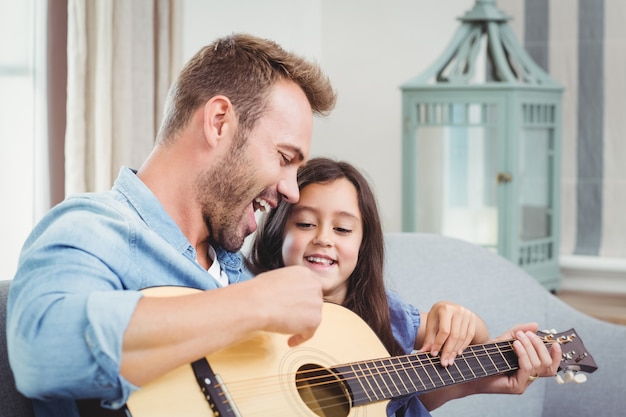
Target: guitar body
pixel 258 375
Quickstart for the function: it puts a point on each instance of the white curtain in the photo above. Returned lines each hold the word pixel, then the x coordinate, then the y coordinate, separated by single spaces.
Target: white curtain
pixel 122 56
pixel 583 48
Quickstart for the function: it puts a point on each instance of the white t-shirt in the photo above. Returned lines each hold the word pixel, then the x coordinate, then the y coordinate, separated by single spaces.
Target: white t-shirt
pixel 215 270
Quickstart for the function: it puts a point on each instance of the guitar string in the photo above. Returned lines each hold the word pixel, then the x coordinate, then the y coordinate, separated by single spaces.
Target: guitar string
pixel 431 362
pixel 343 401
pixel 420 361
pixel 259 386
pixel 332 400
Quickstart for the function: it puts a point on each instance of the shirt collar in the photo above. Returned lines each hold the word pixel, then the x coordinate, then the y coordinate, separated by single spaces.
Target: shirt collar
pixel 149 208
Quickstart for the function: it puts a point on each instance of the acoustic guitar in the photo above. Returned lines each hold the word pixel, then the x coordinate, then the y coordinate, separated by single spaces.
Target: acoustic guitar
pixel 344 370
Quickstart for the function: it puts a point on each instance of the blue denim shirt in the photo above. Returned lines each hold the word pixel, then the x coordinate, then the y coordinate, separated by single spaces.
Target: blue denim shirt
pixel 405 321
pixel 77 285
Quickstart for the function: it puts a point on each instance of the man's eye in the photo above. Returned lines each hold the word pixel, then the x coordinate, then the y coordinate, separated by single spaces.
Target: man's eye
pixel 286 159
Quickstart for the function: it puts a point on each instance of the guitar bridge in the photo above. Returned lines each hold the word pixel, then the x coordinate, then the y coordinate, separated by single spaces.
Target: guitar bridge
pixel 214 390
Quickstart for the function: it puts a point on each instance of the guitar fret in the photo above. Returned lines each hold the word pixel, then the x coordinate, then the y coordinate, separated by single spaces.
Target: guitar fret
pixel 509 355
pixel 448 373
pixel 411 373
pixel 444 376
pixel 427 363
pixel 504 349
pixel 391 377
pixel 373 381
pixel 474 359
pixel 490 365
pixel 362 377
pixel 456 373
pixel 386 376
pixel 418 372
pixel 396 365
pixel 467 366
pixel 351 377
pixel 498 361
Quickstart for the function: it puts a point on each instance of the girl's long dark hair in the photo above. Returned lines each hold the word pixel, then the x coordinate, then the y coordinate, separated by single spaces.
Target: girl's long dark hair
pixel 366 289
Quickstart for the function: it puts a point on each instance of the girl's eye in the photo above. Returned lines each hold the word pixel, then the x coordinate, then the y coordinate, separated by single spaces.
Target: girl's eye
pixel 304 225
pixel 343 230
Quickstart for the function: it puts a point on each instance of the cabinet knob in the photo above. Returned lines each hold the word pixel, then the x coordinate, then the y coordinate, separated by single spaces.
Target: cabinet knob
pixel 504 177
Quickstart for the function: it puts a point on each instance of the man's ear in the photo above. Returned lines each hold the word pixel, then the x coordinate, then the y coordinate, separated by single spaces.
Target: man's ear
pixel 219 120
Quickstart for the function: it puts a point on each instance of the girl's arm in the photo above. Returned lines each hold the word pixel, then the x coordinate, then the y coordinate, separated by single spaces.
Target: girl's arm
pixel 534 359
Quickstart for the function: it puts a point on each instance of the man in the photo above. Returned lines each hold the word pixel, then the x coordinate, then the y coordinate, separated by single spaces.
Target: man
pixel 237 125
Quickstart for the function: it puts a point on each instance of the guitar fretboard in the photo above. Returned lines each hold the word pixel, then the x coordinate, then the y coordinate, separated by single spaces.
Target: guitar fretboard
pixel 380 379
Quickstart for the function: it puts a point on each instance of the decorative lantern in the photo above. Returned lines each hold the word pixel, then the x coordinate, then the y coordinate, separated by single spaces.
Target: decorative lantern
pixel 481 146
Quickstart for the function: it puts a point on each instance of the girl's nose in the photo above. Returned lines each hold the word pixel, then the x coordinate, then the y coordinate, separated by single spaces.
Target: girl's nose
pixel 322 238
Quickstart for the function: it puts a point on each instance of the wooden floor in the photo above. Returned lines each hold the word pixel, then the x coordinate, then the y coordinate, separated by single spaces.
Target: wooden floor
pixel 607 307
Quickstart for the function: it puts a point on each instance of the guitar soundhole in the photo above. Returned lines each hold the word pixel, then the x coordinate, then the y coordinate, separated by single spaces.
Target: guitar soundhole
pixel 322 391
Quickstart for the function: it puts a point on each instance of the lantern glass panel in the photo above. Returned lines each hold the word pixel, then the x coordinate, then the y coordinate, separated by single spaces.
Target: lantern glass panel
pixel 456 175
pixel 535 166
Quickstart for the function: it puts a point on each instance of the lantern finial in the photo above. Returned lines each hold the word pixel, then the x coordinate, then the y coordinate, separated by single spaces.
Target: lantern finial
pixel 485 50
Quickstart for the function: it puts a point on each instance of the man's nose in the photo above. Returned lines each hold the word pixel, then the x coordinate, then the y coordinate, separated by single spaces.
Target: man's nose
pixel 289 190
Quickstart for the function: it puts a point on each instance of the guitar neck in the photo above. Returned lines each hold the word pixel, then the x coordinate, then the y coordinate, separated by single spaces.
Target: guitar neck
pixel 385 378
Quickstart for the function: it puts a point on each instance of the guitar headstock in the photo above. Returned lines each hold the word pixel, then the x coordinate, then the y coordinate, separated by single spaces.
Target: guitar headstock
pixel 575 357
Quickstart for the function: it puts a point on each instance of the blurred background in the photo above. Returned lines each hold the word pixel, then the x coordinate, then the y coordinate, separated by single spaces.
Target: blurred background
pixel 82 85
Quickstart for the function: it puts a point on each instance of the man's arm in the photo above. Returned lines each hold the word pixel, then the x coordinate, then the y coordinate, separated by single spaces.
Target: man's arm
pixel 165 333
pixel 78 326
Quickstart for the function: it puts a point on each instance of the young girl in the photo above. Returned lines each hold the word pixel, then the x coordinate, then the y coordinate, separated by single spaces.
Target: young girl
pixel 335 230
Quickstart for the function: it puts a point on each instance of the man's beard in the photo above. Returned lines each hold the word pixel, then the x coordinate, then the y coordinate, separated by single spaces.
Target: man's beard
pixel 224 193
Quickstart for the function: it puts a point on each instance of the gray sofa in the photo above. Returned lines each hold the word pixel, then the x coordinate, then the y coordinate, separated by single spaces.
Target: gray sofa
pixel 12 403
pixel 428 268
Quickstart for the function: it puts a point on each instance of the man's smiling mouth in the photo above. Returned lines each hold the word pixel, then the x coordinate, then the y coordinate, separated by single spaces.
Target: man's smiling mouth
pixel 261 205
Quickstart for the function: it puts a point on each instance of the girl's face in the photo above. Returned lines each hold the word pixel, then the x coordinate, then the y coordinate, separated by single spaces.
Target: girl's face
pixel 324 233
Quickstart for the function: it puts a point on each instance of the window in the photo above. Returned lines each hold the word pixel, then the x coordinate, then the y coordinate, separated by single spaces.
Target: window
pixel 17 127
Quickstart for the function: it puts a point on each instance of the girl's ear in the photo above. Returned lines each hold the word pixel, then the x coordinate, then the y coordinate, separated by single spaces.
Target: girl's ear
pixel 219 120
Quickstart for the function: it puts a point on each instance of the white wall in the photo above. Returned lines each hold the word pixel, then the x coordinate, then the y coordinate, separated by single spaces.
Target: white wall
pixel 367 47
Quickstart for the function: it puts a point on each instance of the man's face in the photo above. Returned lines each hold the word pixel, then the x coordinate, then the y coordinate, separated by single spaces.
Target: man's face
pixel 256 175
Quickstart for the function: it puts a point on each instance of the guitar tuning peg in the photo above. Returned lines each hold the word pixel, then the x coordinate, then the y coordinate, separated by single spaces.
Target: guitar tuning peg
pixel 559 379
pixel 550 331
pixel 569 377
pixel 580 378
